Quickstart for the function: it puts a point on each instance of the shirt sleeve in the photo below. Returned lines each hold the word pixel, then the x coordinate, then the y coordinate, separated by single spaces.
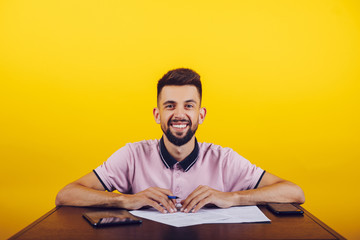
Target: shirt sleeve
pixel 239 173
pixel 114 173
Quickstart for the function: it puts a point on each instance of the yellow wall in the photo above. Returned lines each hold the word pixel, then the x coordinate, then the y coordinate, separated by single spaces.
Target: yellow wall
pixel 281 85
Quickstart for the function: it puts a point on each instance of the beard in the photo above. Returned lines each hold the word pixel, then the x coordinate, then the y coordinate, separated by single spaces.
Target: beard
pixel 179 141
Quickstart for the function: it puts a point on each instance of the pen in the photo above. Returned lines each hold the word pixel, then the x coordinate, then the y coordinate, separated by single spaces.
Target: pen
pixel 173 197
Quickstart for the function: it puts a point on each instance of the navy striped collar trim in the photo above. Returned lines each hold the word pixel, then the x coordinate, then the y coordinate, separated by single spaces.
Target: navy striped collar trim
pixel 169 161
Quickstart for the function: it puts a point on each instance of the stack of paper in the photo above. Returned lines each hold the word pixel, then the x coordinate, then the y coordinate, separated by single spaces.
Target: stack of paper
pixel 244 214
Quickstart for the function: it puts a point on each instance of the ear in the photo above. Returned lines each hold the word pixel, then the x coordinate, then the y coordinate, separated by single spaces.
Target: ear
pixel 156 114
pixel 202 115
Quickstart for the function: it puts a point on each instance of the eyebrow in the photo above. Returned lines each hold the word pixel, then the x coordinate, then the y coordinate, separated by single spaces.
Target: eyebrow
pixel 172 101
pixel 169 101
pixel 191 101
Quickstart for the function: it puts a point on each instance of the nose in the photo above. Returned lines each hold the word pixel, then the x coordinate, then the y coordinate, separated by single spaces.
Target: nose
pixel 179 113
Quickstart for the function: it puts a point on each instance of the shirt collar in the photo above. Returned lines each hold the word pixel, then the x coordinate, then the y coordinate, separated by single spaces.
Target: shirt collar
pixel 186 164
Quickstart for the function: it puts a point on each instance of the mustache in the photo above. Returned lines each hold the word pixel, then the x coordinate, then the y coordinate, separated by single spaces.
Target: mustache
pixel 179 121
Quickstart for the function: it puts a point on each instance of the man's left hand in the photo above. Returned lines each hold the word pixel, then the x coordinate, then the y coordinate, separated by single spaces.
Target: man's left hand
pixel 203 195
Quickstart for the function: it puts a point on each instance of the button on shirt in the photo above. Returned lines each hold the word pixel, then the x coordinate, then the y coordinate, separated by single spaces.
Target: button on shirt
pixel 138 166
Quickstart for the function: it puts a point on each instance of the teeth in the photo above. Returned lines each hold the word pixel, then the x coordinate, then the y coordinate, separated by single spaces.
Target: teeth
pixel 180 126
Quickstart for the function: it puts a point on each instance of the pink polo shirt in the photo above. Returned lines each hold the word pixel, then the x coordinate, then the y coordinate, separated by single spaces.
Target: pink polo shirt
pixel 138 166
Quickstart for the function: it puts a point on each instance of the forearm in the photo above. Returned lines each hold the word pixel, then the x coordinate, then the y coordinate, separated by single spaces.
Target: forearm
pixel 78 195
pixel 281 192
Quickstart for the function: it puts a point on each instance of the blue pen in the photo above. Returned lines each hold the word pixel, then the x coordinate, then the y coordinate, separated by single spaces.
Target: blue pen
pixel 173 197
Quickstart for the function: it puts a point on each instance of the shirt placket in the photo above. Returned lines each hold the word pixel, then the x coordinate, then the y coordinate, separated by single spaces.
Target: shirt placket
pixel 178 188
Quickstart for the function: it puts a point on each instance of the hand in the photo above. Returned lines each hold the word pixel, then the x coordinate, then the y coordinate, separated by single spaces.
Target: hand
pixel 153 197
pixel 203 195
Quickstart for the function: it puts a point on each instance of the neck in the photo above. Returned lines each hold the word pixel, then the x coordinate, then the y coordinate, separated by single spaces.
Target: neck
pixel 179 152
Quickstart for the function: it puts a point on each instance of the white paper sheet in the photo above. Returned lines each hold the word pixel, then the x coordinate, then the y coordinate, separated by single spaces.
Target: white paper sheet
pixel 244 214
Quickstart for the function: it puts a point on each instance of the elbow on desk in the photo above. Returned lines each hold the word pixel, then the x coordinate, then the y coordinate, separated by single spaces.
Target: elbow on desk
pixel 62 198
pixel 299 197
pixel 59 199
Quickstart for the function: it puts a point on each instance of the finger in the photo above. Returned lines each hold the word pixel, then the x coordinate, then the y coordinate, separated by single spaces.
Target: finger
pixel 201 204
pixel 162 199
pixel 173 201
pixel 191 196
pixel 156 206
pixel 164 191
pixel 167 192
pixel 199 190
pixel 195 201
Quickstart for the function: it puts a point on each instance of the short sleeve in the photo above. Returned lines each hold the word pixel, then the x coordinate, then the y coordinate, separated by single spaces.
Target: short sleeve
pixel 114 174
pixel 239 174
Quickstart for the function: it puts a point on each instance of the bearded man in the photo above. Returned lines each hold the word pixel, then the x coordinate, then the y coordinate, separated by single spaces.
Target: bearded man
pixel 155 172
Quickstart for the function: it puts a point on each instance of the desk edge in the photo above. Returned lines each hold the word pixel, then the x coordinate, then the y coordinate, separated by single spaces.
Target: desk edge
pixel 315 219
pixel 322 224
pixel 34 223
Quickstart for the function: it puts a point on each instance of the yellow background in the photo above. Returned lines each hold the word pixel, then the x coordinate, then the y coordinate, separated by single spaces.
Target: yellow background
pixel 281 86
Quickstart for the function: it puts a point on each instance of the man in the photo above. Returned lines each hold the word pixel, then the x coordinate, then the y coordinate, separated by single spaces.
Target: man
pixel 148 172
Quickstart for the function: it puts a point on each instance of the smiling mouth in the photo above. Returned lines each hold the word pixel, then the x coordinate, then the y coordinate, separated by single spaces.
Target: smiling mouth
pixel 179 124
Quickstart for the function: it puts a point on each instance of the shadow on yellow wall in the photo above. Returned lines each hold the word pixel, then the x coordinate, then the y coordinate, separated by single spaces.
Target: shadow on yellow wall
pixel 281 85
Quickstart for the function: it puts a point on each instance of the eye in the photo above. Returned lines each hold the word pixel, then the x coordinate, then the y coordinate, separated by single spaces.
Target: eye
pixel 189 106
pixel 169 106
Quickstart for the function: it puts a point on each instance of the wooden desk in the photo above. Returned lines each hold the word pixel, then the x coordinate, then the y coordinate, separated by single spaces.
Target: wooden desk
pixel 67 223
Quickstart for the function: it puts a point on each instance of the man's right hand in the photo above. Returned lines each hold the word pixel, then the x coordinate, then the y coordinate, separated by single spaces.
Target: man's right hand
pixel 153 197
pixel 88 191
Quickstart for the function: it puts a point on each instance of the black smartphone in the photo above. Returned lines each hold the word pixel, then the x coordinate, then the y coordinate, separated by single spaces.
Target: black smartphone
pixel 284 209
pixel 110 218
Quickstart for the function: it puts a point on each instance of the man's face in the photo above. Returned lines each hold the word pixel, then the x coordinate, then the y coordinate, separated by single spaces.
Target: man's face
pixel 179 113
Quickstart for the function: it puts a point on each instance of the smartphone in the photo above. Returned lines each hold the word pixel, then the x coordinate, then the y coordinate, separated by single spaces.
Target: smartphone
pixel 110 218
pixel 284 209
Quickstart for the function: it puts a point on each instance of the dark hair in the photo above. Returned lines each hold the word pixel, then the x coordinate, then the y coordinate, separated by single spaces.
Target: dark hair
pixel 180 77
